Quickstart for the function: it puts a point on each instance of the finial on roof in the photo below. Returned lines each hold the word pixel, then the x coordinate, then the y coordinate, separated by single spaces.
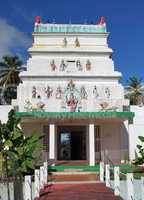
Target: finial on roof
pixel 102 21
pixel 37 20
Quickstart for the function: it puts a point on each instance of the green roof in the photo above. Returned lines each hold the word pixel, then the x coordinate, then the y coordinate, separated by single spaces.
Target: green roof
pixel 76 115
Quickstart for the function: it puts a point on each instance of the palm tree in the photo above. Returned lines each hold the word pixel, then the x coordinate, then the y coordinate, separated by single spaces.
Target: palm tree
pixel 10 68
pixel 134 90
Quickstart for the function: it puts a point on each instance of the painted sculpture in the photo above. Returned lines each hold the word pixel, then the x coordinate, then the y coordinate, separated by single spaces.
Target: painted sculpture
pixel 83 93
pixel 107 93
pixel 77 43
pixel 64 42
pixel 59 93
pixel 63 66
pixel 34 107
pixel 72 102
pixel 78 65
pixel 88 65
pixel 71 97
pixel 95 92
pixel 48 91
pixel 71 85
pixel 34 92
pixel 53 66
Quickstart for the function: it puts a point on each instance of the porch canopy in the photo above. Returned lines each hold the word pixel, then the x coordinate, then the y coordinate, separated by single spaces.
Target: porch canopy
pixel 62 116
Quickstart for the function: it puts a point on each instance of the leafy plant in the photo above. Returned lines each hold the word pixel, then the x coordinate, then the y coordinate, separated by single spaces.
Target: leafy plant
pixel 140 159
pixel 17 151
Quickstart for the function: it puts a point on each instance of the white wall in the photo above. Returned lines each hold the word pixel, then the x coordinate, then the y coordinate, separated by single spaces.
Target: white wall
pixel 4 109
pixel 136 129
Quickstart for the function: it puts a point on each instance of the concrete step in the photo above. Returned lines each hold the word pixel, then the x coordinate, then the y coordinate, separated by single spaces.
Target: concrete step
pixel 73 176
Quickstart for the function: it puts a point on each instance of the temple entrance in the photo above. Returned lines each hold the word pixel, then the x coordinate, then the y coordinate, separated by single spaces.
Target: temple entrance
pixel 71 143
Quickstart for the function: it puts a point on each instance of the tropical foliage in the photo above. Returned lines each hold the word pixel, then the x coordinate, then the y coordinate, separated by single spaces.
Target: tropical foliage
pixel 10 67
pixel 140 159
pixel 17 152
pixel 134 90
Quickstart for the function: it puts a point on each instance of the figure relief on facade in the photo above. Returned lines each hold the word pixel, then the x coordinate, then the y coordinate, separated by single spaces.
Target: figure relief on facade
pixel 59 93
pixel 79 65
pixel 77 43
pixel 34 92
pixel 64 44
pixel 48 91
pixel 72 97
pixel 53 65
pixel 95 92
pixel 88 65
pixel 84 94
pixel 71 85
pixel 72 102
pixel 63 66
pixel 107 93
pixel 39 106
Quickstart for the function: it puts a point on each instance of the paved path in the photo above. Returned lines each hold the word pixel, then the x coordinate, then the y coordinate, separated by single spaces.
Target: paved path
pixel 90 191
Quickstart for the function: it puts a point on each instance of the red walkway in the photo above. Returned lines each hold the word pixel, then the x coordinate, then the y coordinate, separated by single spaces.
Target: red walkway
pixel 91 191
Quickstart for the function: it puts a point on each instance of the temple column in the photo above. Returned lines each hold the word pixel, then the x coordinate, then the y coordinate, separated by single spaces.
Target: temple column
pixel 52 141
pixel 91 145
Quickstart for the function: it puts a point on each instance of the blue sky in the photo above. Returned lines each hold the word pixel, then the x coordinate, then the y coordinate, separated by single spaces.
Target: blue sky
pixel 125 21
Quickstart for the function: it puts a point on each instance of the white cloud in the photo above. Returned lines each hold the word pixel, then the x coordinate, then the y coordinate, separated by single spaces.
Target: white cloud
pixel 11 38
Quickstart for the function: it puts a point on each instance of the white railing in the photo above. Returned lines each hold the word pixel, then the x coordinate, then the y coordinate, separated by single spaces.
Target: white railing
pixel 40 181
pixel 105 174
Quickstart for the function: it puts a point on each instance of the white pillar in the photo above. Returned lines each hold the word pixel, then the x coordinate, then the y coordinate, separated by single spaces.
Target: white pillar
pixel 41 177
pixel 142 187
pixel 37 183
pixel 102 171
pixel 51 141
pixel 91 145
pixel 28 188
pixel 130 186
pixel 116 181
pixel 45 172
pixel 107 167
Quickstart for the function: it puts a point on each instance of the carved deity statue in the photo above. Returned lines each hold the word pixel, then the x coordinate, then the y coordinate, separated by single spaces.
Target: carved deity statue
pixel 107 93
pixel 34 92
pixel 95 92
pixel 83 93
pixel 53 66
pixel 64 42
pixel 72 102
pixel 78 65
pixel 63 66
pixel 77 43
pixel 71 85
pixel 88 65
pixel 59 93
pixel 27 105
pixel 48 91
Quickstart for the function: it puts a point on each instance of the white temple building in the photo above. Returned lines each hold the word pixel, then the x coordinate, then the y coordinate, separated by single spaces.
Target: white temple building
pixel 71 93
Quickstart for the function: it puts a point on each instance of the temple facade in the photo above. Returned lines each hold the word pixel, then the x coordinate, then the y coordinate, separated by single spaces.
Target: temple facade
pixel 71 93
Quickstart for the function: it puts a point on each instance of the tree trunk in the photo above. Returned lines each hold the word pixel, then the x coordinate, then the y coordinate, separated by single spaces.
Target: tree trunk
pixel 18 188
pixel 7 178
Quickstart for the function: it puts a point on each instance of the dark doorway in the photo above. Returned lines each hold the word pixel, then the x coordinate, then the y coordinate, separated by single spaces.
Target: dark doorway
pixel 72 143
